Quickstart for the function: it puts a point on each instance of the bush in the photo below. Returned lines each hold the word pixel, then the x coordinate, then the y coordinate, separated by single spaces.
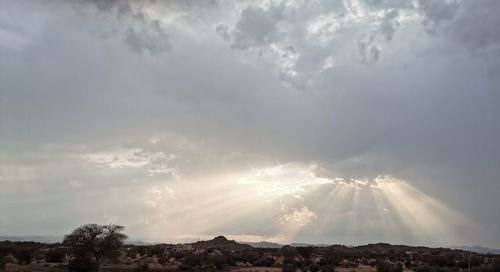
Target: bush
pixel 330 258
pixel 314 268
pixel 290 268
pixel 81 264
pixel 192 260
pixel 143 267
pixel 496 264
pixel 246 257
pixel 24 255
pixel 305 252
pixel 383 266
pixel 327 268
pixel 162 259
pixel 221 261
pixel 55 256
pixel 268 261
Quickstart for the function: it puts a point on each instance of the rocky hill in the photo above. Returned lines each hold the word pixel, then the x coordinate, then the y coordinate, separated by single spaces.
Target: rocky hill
pixel 220 242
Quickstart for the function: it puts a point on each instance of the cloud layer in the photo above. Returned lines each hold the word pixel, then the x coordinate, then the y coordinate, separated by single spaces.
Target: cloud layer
pixel 141 112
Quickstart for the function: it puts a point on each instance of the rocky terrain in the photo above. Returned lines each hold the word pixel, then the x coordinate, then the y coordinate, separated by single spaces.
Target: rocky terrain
pixel 221 254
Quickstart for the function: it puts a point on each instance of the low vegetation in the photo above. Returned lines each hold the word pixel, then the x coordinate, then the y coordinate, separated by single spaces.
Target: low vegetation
pixel 100 248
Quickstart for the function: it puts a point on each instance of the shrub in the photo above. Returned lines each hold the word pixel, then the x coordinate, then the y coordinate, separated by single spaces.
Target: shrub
pixel 81 264
pixel 24 255
pixel 268 261
pixel 290 267
pixel 55 256
pixel 143 267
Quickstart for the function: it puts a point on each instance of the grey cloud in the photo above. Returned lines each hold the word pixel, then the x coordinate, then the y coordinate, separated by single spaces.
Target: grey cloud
pixel 390 4
pixel 141 32
pixel 257 27
pixel 368 51
pixel 223 31
pixel 152 40
pixel 436 11
pixel 122 6
pixel 472 24
pixel 389 23
pixel 331 26
pixel 476 24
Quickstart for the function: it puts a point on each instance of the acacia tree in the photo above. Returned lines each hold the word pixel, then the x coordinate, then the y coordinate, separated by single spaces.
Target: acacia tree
pixel 97 241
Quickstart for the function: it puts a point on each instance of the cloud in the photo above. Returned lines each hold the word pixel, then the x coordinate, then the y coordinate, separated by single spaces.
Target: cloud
pixel 147 40
pixel 437 11
pixel 389 24
pixel 369 52
pixel 301 216
pixel 257 27
pixel 141 32
pixel 223 31
pixel 249 98
pixel 476 34
pixel 156 163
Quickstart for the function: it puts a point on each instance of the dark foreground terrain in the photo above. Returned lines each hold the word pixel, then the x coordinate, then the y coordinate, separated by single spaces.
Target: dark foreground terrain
pixel 221 254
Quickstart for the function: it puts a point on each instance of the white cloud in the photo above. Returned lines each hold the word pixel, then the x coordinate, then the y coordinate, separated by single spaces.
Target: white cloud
pixel 155 163
pixel 302 216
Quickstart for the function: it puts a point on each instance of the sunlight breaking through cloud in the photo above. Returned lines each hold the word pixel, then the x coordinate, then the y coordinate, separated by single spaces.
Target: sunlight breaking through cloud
pixel 288 199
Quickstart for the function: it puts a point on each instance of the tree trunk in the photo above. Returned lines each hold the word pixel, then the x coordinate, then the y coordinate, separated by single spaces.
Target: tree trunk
pixel 97 263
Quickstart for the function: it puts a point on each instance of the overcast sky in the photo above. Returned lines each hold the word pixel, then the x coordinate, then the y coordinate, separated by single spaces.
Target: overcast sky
pixel 320 121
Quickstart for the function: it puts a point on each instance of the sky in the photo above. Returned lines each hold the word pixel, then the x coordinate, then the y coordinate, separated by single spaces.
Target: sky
pixel 320 121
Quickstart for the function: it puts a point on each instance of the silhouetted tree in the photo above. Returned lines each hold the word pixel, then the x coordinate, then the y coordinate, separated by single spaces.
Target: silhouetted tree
pixel 98 241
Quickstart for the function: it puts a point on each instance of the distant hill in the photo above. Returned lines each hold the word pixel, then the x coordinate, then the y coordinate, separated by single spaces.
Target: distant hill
pixel 378 247
pixel 220 242
pixel 301 245
pixel 33 238
pixel 263 244
pixel 478 249
pixel 138 243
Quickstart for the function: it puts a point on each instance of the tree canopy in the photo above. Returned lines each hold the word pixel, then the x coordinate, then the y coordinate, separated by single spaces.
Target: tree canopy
pixel 97 241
